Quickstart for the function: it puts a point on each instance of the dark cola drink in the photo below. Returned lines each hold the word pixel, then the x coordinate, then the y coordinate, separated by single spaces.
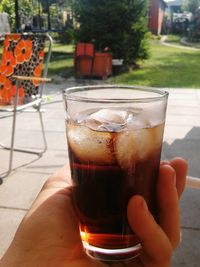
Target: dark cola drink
pixel 114 154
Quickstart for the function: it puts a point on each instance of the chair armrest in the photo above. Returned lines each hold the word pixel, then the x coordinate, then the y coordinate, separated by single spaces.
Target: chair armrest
pixel 39 79
pixel 193 182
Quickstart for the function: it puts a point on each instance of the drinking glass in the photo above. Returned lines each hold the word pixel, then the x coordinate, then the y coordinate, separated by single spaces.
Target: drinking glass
pixel 114 136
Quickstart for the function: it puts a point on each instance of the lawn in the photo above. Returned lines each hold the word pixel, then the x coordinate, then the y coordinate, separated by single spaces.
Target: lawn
pixel 61 63
pixel 167 67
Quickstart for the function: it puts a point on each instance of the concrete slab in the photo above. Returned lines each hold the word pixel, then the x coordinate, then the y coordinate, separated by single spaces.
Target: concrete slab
pixel 20 189
pixel 51 161
pixel 173 132
pixel 189 206
pixel 182 110
pixel 19 160
pixel 188 149
pixel 187 254
pixel 9 221
pixel 183 120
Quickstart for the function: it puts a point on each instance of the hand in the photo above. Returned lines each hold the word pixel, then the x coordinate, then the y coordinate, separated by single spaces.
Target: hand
pixel 49 236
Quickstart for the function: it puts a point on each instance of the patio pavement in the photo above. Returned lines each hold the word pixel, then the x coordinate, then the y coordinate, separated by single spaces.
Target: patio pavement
pixel 19 189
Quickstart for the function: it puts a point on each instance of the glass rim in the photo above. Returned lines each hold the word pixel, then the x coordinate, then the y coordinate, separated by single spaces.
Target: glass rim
pixel 161 94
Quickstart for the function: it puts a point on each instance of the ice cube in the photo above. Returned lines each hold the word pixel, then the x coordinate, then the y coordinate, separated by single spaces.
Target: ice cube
pixel 151 116
pixel 136 145
pixel 145 143
pixel 111 120
pixel 89 145
pixel 138 121
pixel 110 115
pixel 126 149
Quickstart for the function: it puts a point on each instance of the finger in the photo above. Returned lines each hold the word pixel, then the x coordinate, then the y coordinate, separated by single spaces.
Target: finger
pixel 168 209
pixel 57 183
pixel 181 167
pixel 154 242
pixel 59 179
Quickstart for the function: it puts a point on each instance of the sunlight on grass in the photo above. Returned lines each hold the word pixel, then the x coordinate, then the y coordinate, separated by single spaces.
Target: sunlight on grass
pixel 172 38
pixel 61 62
pixel 63 48
pixel 167 67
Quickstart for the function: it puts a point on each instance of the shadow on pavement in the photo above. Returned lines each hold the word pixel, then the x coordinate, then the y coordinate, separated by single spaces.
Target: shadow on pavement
pixel 187 253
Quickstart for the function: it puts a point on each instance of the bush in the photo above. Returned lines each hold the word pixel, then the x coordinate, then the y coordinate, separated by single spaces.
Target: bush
pixel 120 25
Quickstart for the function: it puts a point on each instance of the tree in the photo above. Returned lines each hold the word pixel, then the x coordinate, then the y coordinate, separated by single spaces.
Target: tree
pixel 120 25
pixel 191 5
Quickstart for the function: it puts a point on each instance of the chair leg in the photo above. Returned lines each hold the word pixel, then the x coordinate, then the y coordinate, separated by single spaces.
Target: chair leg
pixel 12 139
pixel 43 131
pixel 12 136
pixel 12 149
pixel 13 129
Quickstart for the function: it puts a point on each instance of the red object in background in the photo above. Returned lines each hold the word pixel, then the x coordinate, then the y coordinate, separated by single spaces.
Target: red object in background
pixel 84 57
pixel 102 65
pixel 89 63
pixel 85 49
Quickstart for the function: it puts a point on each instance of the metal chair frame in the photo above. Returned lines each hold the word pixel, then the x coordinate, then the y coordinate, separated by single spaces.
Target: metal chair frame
pixel 193 182
pixel 36 104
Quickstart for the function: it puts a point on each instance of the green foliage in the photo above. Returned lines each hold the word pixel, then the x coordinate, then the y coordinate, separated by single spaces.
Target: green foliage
pixel 26 8
pixel 8 6
pixel 191 5
pixel 120 25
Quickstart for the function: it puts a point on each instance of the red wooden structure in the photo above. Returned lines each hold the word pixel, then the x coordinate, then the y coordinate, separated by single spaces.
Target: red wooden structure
pixel 89 63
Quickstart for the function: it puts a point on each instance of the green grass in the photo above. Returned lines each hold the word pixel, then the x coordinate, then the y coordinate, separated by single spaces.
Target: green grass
pixel 61 63
pixel 167 67
pixel 172 38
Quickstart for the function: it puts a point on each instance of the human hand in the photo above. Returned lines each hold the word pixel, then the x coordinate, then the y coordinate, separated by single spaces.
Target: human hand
pixel 49 234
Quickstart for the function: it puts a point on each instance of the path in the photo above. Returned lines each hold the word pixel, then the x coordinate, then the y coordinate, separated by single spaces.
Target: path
pixel 184 44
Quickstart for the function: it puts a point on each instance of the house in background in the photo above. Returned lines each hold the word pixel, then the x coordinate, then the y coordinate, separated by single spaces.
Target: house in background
pixel 156 15
pixel 174 6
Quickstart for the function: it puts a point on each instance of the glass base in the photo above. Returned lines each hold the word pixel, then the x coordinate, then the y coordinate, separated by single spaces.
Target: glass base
pixel 112 254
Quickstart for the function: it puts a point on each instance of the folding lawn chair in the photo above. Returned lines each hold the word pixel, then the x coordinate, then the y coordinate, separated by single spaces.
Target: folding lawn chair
pixel 22 81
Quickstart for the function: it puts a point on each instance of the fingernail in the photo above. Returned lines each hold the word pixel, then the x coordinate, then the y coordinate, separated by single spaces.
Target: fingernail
pixel 164 162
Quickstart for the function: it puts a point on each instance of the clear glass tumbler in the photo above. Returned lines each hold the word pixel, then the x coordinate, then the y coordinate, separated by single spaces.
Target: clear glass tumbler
pixel 114 136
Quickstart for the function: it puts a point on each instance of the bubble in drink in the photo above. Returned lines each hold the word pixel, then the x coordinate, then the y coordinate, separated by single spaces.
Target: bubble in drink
pixel 114 154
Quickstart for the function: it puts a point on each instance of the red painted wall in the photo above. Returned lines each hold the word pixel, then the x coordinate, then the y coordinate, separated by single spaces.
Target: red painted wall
pixel 156 14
